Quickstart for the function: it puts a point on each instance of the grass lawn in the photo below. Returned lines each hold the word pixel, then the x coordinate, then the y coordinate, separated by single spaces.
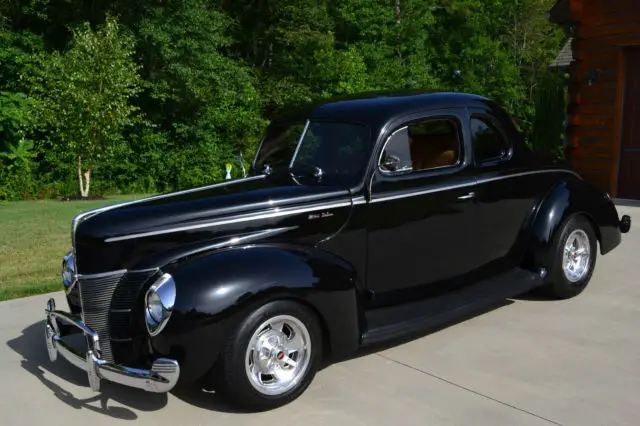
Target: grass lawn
pixel 34 235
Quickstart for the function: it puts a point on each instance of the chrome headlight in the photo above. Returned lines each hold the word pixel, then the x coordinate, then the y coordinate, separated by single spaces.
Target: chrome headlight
pixel 159 301
pixel 68 271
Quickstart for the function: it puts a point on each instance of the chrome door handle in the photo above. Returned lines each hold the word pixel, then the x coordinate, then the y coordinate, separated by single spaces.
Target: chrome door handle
pixel 468 196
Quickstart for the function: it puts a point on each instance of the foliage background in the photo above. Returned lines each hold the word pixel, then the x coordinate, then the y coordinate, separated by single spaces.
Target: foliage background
pixel 212 72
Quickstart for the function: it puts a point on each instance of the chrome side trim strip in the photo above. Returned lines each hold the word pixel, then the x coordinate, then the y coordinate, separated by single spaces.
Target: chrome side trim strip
pixel 422 192
pixel 359 200
pixel 81 216
pixel 238 219
pixel 356 201
pixel 532 172
pixel 469 184
pixel 243 239
pixel 169 194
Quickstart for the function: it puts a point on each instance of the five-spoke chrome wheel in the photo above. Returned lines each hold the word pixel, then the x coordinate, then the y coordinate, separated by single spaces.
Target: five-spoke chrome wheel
pixel 278 355
pixel 572 258
pixel 576 256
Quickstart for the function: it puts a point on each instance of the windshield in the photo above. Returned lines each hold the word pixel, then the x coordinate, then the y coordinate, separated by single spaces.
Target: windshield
pixel 341 150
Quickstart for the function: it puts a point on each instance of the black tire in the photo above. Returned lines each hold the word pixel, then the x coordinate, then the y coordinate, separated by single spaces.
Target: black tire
pixel 558 285
pixel 230 376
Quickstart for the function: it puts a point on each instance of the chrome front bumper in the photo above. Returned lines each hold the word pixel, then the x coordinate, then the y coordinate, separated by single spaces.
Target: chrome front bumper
pixel 162 377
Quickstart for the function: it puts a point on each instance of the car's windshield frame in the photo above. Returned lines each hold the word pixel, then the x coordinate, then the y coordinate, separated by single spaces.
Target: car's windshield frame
pixel 308 123
pixel 267 133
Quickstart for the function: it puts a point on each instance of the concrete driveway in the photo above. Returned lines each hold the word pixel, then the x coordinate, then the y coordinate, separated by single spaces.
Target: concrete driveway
pixel 529 362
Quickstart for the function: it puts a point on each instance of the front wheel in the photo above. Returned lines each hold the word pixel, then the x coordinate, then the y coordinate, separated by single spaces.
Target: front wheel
pixel 572 258
pixel 272 357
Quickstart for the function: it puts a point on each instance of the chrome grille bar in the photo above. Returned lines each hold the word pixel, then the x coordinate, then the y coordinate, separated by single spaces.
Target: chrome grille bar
pixel 124 299
pixel 96 292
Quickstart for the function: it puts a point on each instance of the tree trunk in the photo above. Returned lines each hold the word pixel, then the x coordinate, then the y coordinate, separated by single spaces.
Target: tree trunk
pixel 80 176
pixel 398 11
pixel 87 176
pixel 84 183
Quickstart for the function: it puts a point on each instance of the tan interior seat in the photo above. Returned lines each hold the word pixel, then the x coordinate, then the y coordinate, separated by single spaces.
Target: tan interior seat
pixel 430 151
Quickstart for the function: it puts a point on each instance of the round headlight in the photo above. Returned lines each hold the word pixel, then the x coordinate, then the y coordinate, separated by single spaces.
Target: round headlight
pixel 159 301
pixel 154 306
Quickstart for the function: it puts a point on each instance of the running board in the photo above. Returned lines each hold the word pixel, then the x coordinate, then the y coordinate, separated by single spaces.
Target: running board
pixel 397 321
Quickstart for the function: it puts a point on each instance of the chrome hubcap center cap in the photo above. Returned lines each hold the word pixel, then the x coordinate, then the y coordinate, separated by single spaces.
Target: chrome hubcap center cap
pixel 278 355
pixel 271 351
pixel 576 256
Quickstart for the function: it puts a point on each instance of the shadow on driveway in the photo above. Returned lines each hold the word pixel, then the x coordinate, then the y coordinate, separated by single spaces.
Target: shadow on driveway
pixel 35 360
pixel 32 347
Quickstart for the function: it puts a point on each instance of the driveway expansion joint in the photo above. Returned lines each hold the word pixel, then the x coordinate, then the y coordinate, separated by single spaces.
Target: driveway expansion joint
pixel 506 404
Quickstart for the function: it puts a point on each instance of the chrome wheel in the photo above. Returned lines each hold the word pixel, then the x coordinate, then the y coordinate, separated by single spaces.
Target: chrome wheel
pixel 576 256
pixel 278 355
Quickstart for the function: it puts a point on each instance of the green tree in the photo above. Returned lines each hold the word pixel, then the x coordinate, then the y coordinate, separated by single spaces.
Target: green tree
pixel 394 39
pixel 213 71
pixel 532 42
pixel 205 100
pixel 16 119
pixel 85 93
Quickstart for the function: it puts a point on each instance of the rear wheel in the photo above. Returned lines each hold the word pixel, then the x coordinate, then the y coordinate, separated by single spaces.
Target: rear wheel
pixel 272 357
pixel 572 258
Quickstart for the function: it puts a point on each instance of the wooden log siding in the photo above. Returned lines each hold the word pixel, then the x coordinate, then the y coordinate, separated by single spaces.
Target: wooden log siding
pixel 604 29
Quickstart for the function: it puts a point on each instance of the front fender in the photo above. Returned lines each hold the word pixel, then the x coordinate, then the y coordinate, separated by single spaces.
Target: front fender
pixel 216 292
pixel 566 199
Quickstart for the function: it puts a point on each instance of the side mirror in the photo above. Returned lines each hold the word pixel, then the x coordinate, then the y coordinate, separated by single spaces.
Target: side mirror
pixel 393 164
pixel 390 163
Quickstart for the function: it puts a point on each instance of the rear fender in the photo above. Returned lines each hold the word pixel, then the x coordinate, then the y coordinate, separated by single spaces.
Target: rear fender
pixel 564 200
pixel 217 291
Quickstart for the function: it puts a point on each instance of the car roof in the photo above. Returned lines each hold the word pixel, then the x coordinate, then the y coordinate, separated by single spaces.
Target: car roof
pixel 378 108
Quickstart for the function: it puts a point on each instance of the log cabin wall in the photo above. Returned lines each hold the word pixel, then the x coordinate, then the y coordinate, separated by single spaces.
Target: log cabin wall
pixel 605 31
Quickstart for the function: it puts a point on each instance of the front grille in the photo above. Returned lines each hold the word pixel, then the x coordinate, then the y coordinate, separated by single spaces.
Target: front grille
pixel 96 293
pixel 107 301
pixel 121 318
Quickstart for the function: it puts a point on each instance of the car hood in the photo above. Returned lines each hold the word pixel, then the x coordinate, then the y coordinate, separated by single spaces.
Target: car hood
pixel 144 232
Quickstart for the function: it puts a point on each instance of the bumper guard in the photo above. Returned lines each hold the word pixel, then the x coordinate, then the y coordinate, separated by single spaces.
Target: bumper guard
pixel 162 376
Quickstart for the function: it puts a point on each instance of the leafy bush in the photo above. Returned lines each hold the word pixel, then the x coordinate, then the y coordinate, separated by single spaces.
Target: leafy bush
pixel 16 180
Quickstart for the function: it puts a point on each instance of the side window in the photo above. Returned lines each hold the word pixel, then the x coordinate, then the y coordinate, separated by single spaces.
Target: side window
pixel 422 145
pixel 488 142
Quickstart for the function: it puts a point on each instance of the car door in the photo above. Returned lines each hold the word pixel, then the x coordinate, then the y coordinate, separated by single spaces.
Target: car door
pixel 506 191
pixel 421 216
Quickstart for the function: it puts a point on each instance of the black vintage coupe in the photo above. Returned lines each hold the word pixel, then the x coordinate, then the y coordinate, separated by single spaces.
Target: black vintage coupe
pixel 362 220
